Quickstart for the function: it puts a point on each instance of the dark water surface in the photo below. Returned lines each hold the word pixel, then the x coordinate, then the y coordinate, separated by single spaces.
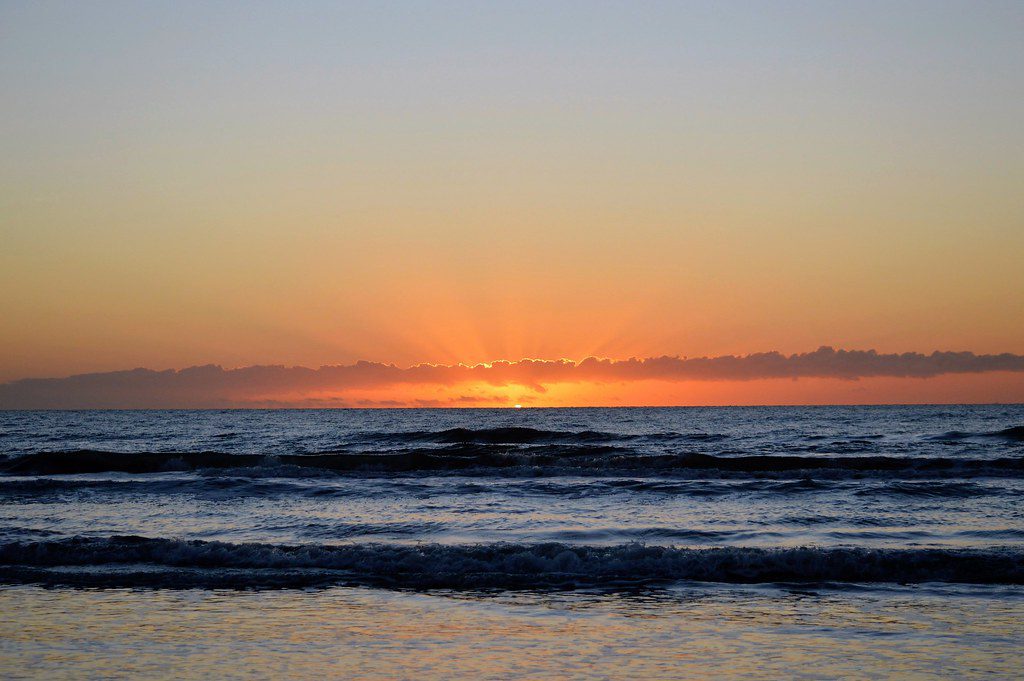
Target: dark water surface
pixel 870 525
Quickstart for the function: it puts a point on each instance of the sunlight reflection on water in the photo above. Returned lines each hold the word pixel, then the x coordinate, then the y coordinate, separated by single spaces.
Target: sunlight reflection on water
pixel 364 633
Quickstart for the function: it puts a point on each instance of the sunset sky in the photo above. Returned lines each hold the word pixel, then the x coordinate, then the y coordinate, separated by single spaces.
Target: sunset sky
pixel 315 184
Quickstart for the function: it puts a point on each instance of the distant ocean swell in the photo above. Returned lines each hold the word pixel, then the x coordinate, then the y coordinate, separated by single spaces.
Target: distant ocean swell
pixel 525 435
pixel 235 486
pixel 553 459
pixel 139 561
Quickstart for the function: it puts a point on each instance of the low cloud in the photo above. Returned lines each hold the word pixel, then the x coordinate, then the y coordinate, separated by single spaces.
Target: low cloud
pixel 215 387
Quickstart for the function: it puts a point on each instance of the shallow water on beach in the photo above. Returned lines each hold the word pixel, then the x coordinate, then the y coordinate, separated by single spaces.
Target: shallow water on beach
pixel 697 631
pixel 827 541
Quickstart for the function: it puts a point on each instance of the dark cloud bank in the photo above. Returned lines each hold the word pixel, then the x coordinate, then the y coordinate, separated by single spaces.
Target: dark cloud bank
pixel 213 386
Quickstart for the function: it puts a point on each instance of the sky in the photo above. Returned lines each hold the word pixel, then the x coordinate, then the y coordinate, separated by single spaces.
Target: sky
pixel 305 184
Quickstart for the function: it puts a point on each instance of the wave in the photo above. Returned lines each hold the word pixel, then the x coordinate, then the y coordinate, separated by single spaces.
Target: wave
pixel 944 490
pixel 140 561
pixel 521 435
pixel 1013 433
pixel 508 435
pixel 552 460
pixel 217 487
pixel 38 489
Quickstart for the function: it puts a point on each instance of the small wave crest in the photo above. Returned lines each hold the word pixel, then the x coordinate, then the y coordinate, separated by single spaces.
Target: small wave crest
pixel 937 489
pixel 174 563
pixel 1013 433
pixel 515 435
pixel 484 459
pixel 521 435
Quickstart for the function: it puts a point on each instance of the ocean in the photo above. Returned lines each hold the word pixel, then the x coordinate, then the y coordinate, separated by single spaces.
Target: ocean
pixel 814 542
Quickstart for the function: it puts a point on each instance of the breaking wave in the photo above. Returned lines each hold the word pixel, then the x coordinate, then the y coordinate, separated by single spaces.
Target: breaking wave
pixel 1014 433
pixel 486 459
pixel 140 561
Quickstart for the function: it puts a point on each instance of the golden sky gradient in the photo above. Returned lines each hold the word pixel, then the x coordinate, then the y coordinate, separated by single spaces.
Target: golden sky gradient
pixel 319 184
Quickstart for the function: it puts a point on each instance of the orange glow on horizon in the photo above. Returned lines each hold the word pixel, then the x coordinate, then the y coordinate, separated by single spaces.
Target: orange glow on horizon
pixel 1003 387
pixel 823 376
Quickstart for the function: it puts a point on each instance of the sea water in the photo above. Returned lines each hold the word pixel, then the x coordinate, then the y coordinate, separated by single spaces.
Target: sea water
pixel 818 541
